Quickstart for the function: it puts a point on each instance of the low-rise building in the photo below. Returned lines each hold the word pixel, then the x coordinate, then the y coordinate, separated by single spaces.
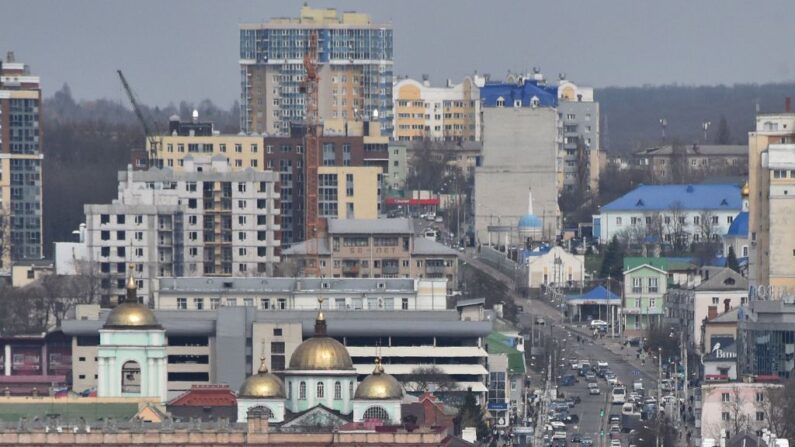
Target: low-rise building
pixel 343 294
pixel 376 248
pixel 719 329
pixel 670 214
pixel 553 266
pixel 725 406
pixel 668 162
pixel 720 290
pixel 645 286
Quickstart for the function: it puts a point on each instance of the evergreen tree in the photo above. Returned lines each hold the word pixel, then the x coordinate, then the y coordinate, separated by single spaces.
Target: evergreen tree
pixel 731 260
pixel 723 136
pixel 613 261
pixel 471 415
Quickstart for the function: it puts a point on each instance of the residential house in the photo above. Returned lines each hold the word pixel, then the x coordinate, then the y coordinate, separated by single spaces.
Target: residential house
pixel 645 286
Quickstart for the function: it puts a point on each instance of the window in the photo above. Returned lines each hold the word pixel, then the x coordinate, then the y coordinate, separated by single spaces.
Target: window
pixel 248 302
pixel 265 304
pixel 652 302
pixel 724 397
pixel 715 300
pixel 697 220
pixel 320 390
pixel 652 285
pixel 618 221
pixel 198 303
pixel 277 332
pixel 337 390
pixel 404 304
pixel 760 415
pixel 715 220
pixel 724 416
pixel 182 303
pixel 760 397
pixel 214 303
pixel 500 102
pixel 302 391
pixel 637 285
pixel 376 412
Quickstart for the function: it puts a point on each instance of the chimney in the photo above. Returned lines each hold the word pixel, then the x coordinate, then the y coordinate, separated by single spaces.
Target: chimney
pixel 788 104
pixel 712 312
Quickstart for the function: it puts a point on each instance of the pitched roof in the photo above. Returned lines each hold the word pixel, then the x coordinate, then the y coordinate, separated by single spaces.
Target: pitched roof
pixel 632 262
pixel 727 317
pixel 400 225
pixel 597 293
pixel 205 396
pixel 725 279
pixel 685 197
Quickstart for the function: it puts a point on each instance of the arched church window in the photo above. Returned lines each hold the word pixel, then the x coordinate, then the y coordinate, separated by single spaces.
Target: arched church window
pixel 376 412
pixel 320 390
pixel 131 377
pixel 267 412
pixel 337 390
pixel 302 391
pixel 350 390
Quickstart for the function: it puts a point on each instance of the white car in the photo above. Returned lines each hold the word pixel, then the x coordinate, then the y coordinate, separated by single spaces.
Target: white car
pixel 615 443
pixel 612 380
pixel 598 324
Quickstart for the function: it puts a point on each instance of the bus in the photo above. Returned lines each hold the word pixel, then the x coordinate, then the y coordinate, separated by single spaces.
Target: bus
pixel 618 395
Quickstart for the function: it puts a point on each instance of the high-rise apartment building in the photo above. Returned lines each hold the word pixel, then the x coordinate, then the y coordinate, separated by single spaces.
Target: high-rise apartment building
pixel 521 150
pixel 579 116
pixel 771 200
pixel 355 70
pixel 20 163
pixel 449 113
pixel 206 220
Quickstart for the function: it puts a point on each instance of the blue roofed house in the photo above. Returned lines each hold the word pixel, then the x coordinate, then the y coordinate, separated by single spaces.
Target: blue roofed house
pixel 670 213
pixel 595 304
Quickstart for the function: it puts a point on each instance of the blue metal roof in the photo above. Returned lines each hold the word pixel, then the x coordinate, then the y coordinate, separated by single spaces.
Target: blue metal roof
pixel 739 226
pixel 686 197
pixel 509 92
pixel 597 293
pixel 530 221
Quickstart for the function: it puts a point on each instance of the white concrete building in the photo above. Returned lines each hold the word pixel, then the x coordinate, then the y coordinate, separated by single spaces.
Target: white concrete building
pixel 554 266
pixel 203 221
pixel 344 294
pixel 663 213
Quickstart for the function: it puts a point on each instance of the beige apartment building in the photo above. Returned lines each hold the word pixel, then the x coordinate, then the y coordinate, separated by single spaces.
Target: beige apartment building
pixel 349 192
pixel 242 151
pixel 771 182
pixel 449 113
pixel 376 248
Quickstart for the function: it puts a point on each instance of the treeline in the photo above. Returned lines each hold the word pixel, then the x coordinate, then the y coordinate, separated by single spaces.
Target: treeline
pixel 630 117
pixel 86 143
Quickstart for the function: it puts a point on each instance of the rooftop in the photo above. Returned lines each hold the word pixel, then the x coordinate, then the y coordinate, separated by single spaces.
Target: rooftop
pixel 497 343
pixel 683 197
pixel 739 226
pixel 370 226
pixel 199 284
pixel 697 149
pixel 523 90
pixel 725 279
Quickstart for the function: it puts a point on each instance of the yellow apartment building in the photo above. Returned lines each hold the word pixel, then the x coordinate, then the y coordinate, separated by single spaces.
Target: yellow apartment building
pixel 349 192
pixel 449 113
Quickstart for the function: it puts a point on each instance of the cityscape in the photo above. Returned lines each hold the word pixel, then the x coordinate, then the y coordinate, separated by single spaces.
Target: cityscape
pixel 351 255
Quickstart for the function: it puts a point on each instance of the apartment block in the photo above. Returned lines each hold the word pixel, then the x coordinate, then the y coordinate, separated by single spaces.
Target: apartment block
pixel 355 58
pixel 579 115
pixel 449 113
pixel 376 248
pixel 771 176
pixel 21 158
pixel 349 192
pixel 206 220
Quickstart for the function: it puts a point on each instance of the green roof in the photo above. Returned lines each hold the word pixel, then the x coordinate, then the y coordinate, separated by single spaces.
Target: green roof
pixel 630 262
pixel 501 344
pixel 68 411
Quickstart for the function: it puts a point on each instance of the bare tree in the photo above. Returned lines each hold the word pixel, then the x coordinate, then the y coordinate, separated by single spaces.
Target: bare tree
pixel 739 420
pixel 5 238
pixel 675 227
pixel 778 404
pixel 429 378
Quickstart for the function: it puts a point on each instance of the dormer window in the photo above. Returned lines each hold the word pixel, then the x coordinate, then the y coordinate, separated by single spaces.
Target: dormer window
pixel 500 102
pixel 640 203
pixel 535 102
pixel 517 103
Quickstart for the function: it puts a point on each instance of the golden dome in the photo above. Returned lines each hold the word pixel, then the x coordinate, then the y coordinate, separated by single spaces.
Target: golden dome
pixel 132 315
pixel 262 385
pixel 320 352
pixel 323 353
pixel 746 190
pixel 379 386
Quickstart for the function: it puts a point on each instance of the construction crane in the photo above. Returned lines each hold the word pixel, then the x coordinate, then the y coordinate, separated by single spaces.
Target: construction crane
pixel 152 135
pixel 313 224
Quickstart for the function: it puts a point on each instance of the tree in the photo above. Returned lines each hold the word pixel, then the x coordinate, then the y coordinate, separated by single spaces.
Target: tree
pixel 429 378
pixel 470 414
pixel 723 136
pixel 779 406
pixel 731 260
pixel 663 339
pixel 646 435
pixel 674 227
pixel 5 239
pixel 613 261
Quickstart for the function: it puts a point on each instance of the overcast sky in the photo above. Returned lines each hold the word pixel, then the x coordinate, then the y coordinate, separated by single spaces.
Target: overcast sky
pixel 188 49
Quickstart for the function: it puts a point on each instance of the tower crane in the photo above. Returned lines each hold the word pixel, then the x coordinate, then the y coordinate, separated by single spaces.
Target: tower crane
pixel 313 223
pixel 152 135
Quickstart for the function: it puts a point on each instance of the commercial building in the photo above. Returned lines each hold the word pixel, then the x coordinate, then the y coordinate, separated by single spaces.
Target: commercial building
pixel 521 150
pixel 355 294
pixel 645 286
pixel 376 248
pixel 766 338
pixel 222 345
pixel 718 291
pixel 669 214
pixel 771 175
pixel 206 220
pixel 507 395
pixel 21 157
pixel 670 163
pixel 579 115
pixel 449 113
pixel 355 58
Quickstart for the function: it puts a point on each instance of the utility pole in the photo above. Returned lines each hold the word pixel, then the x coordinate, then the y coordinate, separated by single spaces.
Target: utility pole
pixel 659 394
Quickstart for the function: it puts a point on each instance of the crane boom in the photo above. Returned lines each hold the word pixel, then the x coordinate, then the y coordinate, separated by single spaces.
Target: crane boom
pixel 151 136
pixel 313 224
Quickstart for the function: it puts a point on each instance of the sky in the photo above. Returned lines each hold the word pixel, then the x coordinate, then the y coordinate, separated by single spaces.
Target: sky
pixel 173 50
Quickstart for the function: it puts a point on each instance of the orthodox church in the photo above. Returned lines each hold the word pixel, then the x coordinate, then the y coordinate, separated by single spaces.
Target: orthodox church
pixel 319 388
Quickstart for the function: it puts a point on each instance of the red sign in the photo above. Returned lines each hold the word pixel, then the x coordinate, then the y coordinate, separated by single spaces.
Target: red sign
pixel 396 201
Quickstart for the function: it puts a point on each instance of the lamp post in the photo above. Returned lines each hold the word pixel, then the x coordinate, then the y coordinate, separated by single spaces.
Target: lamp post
pixel 659 392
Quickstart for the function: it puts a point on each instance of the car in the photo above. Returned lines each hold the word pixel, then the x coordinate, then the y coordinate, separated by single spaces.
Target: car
pixel 614 419
pixel 576 437
pixel 438 219
pixel 540 321
pixel 598 324
pixel 593 385
pixel 461 248
pixel 586 441
pixel 611 379
pixel 594 391
pixel 591 377
pixel 615 443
